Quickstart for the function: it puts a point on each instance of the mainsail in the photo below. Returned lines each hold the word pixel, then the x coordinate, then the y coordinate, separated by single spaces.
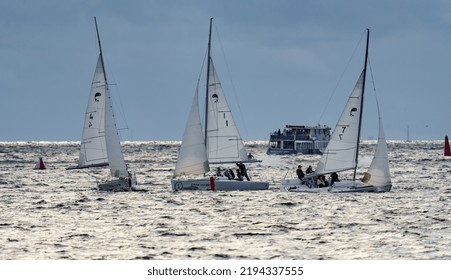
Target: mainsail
pixel 224 144
pixel 192 157
pixel 93 147
pixel 340 153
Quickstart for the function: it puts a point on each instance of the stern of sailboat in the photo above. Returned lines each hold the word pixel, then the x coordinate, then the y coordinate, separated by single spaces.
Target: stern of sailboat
pixel 117 185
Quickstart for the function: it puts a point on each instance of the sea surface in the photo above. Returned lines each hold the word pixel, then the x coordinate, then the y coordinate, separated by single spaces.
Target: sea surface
pixel 57 214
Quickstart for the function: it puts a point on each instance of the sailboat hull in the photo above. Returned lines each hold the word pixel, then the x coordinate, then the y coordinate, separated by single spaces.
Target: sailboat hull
pixel 357 186
pixel 294 185
pixel 117 185
pixel 87 166
pixel 219 184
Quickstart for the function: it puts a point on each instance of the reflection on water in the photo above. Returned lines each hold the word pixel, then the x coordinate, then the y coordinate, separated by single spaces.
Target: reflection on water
pixel 59 214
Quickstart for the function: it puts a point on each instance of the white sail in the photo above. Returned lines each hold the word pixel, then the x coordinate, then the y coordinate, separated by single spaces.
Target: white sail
pixel 340 153
pixel 113 145
pixel 192 157
pixel 224 143
pixel 378 173
pixel 93 147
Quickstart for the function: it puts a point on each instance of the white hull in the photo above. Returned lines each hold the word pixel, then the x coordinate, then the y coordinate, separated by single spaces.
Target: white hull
pixel 294 185
pixel 219 185
pixel 117 185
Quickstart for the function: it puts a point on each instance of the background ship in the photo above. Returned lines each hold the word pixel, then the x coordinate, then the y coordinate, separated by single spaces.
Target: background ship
pixel 299 139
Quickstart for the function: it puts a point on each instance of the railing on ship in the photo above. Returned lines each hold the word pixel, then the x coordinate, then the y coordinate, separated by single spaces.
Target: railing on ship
pixel 296 137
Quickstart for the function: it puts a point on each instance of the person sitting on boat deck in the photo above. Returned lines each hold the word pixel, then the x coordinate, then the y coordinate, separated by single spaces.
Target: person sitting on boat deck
pixel 309 169
pixel 250 156
pixel 320 182
pixel 324 180
pixel 218 172
pixel 334 178
pixel 239 176
pixel 229 174
pixel 300 174
pixel 243 170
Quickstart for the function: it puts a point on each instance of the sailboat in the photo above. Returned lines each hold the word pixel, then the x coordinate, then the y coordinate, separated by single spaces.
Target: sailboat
pixel 219 143
pixel 342 152
pixel 100 144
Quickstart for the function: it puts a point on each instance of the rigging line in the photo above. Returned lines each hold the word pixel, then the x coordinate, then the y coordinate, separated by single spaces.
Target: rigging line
pixel 118 103
pixel 372 77
pixel 341 77
pixel 231 81
pixel 201 69
pixel 374 91
pixel 372 81
pixel 374 86
pixel 198 81
pixel 203 64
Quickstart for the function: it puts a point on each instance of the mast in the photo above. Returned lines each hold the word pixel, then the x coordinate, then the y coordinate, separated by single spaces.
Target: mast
pixel 208 81
pixel 100 49
pixel 361 102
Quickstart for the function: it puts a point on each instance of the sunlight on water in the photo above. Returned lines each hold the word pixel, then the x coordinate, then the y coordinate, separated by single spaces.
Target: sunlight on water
pixel 59 214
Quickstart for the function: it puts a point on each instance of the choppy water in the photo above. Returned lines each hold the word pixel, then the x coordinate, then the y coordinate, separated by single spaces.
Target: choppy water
pixel 58 214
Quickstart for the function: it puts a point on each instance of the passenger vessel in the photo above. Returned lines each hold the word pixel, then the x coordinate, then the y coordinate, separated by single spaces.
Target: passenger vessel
pixel 299 139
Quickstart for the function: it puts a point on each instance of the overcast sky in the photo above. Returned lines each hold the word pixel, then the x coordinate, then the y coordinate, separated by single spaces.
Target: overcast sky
pixel 280 62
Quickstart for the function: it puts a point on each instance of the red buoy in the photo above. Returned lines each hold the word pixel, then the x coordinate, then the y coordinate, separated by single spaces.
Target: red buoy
pixel 447 150
pixel 212 183
pixel 40 164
